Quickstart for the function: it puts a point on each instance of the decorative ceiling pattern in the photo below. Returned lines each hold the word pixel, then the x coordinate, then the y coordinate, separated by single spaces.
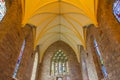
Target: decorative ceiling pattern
pixel 59 20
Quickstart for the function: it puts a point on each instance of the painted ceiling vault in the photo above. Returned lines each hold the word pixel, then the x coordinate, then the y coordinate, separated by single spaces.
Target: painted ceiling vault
pixel 59 20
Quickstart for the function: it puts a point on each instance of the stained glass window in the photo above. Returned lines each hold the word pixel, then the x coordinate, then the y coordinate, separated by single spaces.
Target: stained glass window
pixel 34 67
pixel 101 59
pixel 2 9
pixel 116 9
pixel 59 63
pixel 19 59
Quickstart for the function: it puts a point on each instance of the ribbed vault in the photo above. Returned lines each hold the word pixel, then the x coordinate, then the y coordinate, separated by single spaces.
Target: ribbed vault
pixel 59 20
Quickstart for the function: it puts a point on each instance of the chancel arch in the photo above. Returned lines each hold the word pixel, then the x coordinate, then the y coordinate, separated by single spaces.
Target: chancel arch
pixel 60 61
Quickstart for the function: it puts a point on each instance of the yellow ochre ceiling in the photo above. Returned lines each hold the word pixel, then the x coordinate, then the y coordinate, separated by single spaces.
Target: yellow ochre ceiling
pixel 59 20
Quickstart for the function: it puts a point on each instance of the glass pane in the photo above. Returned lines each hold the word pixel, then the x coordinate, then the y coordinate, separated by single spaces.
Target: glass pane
pixel 56 68
pixel 2 9
pixel 101 59
pixel 60 59
pixel 64 68
pixel 116 9
pixel 60 66
pixel 19 59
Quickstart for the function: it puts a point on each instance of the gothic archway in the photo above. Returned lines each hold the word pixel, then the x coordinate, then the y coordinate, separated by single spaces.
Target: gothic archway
pixel 73 69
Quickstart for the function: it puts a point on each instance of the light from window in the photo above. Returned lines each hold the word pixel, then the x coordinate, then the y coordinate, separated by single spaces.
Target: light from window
pixel 116 9
pixel 19 59
pixel 101 59
pixel 2 9
pixel 59 63
pixel 35 67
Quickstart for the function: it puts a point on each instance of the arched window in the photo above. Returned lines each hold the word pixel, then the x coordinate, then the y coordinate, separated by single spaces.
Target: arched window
pixel 59 63
pixel 19 59
pixel 101 59
pixel 34 67
pixel 2 9
pixel 116 9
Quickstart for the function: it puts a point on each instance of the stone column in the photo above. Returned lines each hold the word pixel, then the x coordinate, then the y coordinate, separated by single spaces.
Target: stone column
pixel 39 64
pixel 83 63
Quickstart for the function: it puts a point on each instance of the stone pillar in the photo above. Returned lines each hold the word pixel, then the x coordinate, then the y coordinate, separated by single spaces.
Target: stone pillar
pixel 38 72
pixel 39 64
pixel 108 38
pixel 26 65
pixel 83 63
pixel 11 39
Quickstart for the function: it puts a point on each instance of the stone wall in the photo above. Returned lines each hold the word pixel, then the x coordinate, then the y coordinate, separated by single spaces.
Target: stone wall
pixel 10 48
pixel 11 40
pixel 107 21
pixel 83 61
pixel 26 65
pixel 108 37
pixel 109 48
pixel 93 62
pixel 74 66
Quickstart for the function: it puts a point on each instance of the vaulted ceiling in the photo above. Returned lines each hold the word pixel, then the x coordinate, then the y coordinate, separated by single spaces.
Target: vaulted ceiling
pixel 59 20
